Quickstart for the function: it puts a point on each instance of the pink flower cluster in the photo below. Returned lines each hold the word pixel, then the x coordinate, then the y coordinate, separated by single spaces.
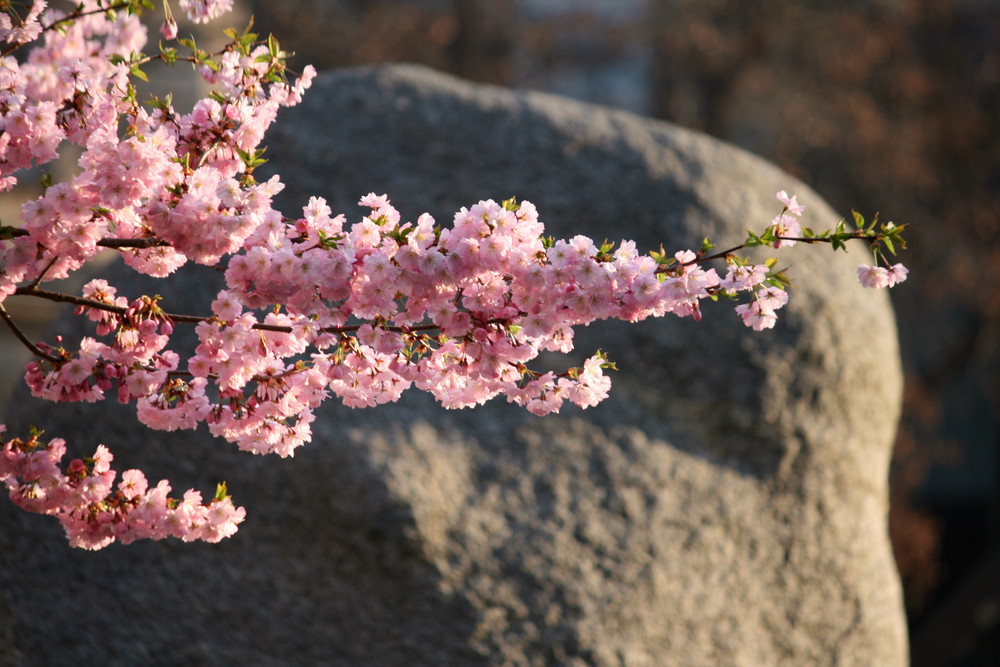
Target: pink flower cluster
pixel 879 276
pixel 313 307
pixel 27 29
pixel 489 284
pixel 203 11
pixel 94 512
pixel 786 224
pixel 176 178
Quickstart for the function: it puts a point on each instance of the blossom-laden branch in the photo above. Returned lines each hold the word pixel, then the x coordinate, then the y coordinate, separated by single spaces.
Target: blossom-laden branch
pixel 94 512
pixel 313 308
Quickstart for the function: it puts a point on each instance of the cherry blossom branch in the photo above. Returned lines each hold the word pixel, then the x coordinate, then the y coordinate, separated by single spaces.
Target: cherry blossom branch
pixel 60 297
pixel 491 288
pixel 7 232
pixel 138 244
pixel 889 236
pixel 79 14
pixel 69 18
pixel 41 275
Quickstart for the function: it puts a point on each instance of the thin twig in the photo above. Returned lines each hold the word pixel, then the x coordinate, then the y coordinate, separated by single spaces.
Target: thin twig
pixel 35 350
pixel 38 281
pixel 800 239
pixel 68 298
pixel 114 244
pixel 59 297
pixel 117 244
pixel 66 19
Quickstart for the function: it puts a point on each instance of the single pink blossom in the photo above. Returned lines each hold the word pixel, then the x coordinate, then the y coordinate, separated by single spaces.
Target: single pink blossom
pixel 875 277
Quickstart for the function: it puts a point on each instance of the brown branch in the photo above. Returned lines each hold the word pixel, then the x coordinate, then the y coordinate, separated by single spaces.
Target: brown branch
pixel 68 298
pixel 41 276
pixel 66 19
pixel 858 234
pixel 35 350
pixel 717 255
pixel 59 297
pixel 117 244
pixel 114 244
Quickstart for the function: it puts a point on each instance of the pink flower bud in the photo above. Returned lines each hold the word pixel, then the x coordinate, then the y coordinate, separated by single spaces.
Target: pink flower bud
pixel 169 29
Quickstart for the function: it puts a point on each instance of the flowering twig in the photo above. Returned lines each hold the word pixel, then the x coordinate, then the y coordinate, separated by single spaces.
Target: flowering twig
pixel 16 330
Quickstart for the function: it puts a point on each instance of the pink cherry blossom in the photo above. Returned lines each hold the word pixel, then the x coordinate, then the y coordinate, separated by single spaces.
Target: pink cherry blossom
pixel 791 203
pixel 897 274
pixel 202 11
pixel 873 276
pixel 314 307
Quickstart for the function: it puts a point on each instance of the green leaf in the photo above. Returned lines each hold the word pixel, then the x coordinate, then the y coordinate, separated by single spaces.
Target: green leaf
pixel 871 225
pixel 604 253
pixel 895 232
pixel 161 104
pixel 169 55
pixel 779 279
pixel 706 245
pixel 327 242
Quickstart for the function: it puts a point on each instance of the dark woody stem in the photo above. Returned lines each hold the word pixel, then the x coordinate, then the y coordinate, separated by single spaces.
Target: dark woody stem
pixel 58 297
pixel 12 325
pixel 114 244
pixel 69 19
pixel 118 244
pixel 800 239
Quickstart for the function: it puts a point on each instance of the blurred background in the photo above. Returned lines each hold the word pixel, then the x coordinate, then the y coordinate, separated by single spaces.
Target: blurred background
pixel 880 105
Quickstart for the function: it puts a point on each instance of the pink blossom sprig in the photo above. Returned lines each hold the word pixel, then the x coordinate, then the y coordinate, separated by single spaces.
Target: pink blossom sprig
pixel 95 512
pixel 786 231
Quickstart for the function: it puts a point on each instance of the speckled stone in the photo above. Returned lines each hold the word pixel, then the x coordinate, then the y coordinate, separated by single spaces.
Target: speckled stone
pixel 727 505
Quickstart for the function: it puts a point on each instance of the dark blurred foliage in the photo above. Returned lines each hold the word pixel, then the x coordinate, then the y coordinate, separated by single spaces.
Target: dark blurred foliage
pixel 470 38
pixel 880 105
pixel 890 106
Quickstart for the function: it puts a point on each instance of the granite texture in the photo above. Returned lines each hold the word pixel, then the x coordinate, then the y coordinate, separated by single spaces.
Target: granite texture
pixel 727 504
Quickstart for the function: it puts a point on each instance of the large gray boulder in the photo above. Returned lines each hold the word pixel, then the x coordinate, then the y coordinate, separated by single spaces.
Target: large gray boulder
pixel 727 505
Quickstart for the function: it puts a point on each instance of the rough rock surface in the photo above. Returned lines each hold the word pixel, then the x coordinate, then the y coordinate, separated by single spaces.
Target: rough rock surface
pixel 726 505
